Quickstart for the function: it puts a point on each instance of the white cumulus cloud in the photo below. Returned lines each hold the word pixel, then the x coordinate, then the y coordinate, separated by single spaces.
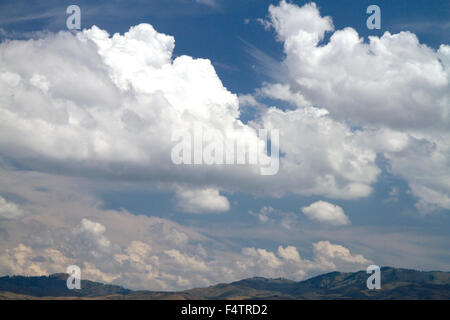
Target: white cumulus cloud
pixel 202 201
pixel 113 110
pixel 326 212
pixel 393 88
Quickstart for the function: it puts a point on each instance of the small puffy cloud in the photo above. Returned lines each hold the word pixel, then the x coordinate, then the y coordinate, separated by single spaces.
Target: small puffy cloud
pixel 10 210
pixel 335 256
pixel 326 212
pixel 299 23
pixel 262 257
pixel 270 215
pixel 24 260
pixel 289 253
pixel 201 200
pixel 185 261
pixel 137 252
pixel 90 234
pixel 263 214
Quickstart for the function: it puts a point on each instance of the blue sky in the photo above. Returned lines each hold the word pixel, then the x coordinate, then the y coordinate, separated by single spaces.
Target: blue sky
pixel 217 32
pixel 402 221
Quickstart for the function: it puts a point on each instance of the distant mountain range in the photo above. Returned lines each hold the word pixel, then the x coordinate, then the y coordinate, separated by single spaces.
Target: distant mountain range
pixel 395 284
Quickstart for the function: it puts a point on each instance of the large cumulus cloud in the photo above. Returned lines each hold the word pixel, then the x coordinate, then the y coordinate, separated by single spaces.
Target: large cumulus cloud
pixel 98 105
pixel 393 89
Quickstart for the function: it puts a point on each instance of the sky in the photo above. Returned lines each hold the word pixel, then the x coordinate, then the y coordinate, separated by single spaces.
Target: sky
pixel 90 119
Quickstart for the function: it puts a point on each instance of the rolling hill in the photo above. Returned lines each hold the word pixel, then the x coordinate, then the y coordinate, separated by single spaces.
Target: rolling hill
pixel 395 284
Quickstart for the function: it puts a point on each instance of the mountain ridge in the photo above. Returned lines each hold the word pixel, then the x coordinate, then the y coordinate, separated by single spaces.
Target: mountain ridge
pixel 396 283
